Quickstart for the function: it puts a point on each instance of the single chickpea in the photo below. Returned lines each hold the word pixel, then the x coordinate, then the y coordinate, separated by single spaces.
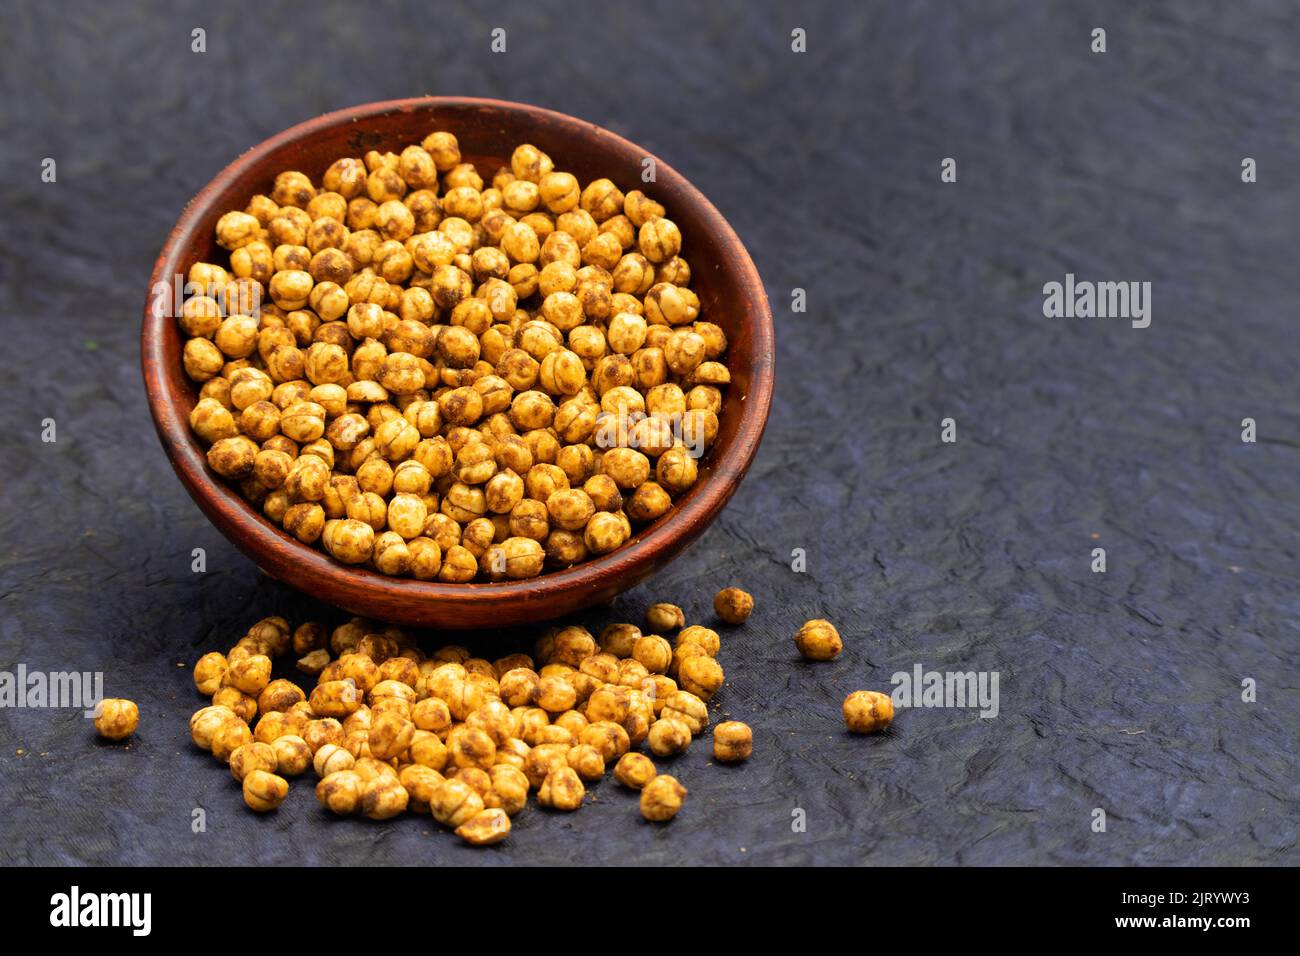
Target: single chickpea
pixel 700 675
pixel 733 605
pixel 668 737
pixel 252 756
pixel 390 735
pixel 336 698
pixel 867 711
pixel 264 791
pixel 509 789
pixel 664 618
pixel 732 742
pixel 555 695
pixel 659 240
pixel 443 148
pixel 653 652
pixel 209 672
pixel 455 803
pixel 485 828
pixel 228 738
pixel 662 798
pixel 206 721
pixel 332 758
pixel 689 709
pixel 340 792
pixel 419 782
pixel 562 790
pixel 322 731
pixel 383 798
pixel 587 762
pixel 117 718
pixel 471 747
pixel 705 638
pixel 279 695
pixel 818 640
pixel 634 770
pixel 428 750
pixel 605 532
pixel 611 739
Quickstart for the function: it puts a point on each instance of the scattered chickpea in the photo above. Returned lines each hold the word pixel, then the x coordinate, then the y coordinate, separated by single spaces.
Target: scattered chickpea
pixel 485 828
pixel 664 618
pixel 818 640
pixel 634 770
pixel 264 791
pixel 208 673
pixel 867 711
pixel 733 605
pixel 116 718
pixel 561 790
pixel 390 728
pixel 732 742
pixel 661 798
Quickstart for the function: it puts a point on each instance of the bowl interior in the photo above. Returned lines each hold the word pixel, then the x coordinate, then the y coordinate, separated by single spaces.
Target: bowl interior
pixel 722 276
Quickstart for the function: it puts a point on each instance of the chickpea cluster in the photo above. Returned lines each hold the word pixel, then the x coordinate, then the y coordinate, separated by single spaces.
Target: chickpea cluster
pixel 388 728
pixel 452 379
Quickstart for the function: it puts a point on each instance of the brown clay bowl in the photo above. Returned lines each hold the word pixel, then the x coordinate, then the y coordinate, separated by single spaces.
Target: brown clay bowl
pixel 723 275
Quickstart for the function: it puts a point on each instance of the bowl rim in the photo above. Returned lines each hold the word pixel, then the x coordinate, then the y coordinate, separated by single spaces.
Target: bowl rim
pixel 284 557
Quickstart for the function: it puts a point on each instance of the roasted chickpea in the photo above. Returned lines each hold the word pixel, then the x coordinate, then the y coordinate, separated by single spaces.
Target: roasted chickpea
pixel 264 791
pixel 732 741
pixel 562 789
pixel 818 640
pixel 661 798
pixel 868 711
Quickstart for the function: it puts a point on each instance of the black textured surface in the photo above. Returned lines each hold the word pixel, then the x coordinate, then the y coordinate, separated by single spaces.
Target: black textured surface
pixel 1119 690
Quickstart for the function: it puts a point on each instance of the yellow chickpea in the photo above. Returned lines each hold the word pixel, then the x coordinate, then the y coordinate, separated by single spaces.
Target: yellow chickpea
pixel 661 798
pixel 634 770
pixel 207 721
pixel 818 640
pixel 264 791
pixel 340 792
pixel 701 675
pixel 455 803
pixel 485 828
pixel 208 673
pixel 562 790
pixel 117 718
pixel 733 605
pixel 868 711
pixel 383 798
pixel 733 742
pixel 668 737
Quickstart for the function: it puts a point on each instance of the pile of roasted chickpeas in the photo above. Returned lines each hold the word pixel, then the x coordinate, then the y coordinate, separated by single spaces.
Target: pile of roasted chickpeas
pixel 388 728
pixel 452 379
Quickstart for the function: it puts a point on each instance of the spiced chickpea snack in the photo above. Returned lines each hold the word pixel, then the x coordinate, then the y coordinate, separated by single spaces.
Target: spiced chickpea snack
pixel 390 729
pixel 450 376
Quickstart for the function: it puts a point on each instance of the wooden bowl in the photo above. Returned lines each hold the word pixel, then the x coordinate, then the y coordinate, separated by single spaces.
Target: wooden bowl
pixel 723 276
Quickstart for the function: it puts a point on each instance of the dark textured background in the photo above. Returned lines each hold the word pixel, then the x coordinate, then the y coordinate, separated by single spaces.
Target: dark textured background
pixel 1119 691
